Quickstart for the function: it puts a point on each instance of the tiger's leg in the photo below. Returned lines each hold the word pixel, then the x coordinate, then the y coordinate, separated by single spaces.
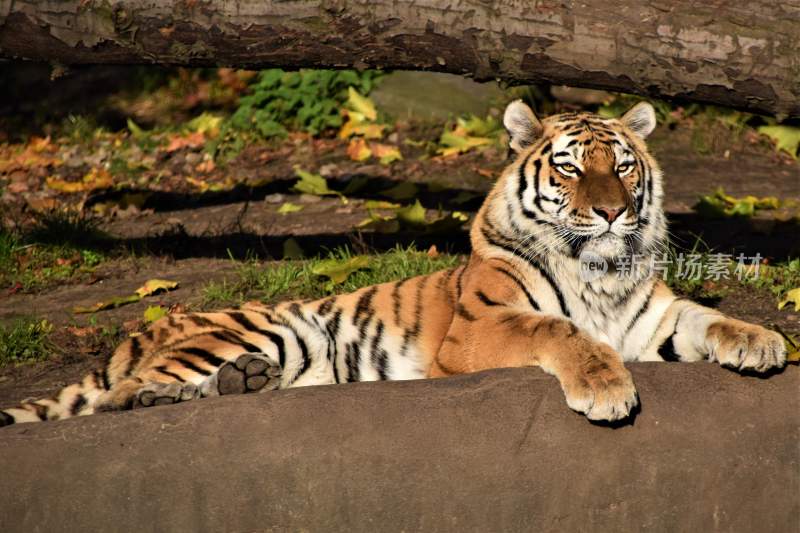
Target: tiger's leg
pixel 594 380
pixel 250 372
pixel 692 332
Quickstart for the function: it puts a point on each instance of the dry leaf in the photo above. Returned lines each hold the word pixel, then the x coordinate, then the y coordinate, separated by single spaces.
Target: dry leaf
pixel 206 166
pixel 192 140
pixel 386 153
pixel 153 286
pixel 358 150
pixel 153 313
pixel 793 297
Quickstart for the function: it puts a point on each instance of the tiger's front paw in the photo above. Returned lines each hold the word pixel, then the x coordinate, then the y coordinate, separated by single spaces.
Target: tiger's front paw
pixel 745 347
pixel 602 389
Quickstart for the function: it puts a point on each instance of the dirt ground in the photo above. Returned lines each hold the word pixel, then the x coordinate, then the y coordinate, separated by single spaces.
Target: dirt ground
pixel 184 236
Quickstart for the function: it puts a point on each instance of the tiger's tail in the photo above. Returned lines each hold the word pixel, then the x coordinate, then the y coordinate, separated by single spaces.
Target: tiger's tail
pixel 73 400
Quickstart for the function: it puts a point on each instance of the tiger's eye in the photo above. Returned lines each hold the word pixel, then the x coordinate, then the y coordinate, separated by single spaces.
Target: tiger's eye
pixel 622 169
pixel 568 168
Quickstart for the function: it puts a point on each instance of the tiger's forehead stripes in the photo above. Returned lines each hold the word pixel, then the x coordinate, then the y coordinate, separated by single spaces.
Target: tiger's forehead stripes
pixel 591 140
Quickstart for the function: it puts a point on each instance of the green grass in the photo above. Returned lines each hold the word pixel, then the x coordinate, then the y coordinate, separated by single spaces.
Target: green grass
pixel 25 340
pixel 778 278
pixel 55 249
pixel 271 282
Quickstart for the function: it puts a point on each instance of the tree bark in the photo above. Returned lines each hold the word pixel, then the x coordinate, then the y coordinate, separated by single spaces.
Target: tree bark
pixel 729 52
pixel 496 451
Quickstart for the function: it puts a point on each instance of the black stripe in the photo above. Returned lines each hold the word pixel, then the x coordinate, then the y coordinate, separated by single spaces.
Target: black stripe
pixel 102 378
pixel 233 338
pixel 667 350
pixel 200 321
pixel 396 300
pixel 364 305
pixel 522 286
pixel 303 354
pixel 39 409
pixel 163 370
pixel 485 299
pixel 537 169
pixel 642 310
pixel 353 358
pixel 413 332
pixel 459 286
pixel 6 419
pixel 207 356
pixel 277 340
pixel 536 265
pixel 464 313
pixel 242 320
pixel 191 366
pixel 522 186
pixel 332 329
pixel 378 356
pixel 135 354
pixel 326 306
pixel 77 404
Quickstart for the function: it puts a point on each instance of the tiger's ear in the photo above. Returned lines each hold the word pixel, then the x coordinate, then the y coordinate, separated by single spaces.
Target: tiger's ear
pixel 640 119
pixel 522 125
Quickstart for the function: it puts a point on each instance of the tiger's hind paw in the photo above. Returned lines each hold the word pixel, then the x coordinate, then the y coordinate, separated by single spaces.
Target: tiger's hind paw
pixel 165 394
pixel 250 372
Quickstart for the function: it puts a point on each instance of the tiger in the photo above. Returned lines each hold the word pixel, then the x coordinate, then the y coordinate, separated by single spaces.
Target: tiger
pixel 577 185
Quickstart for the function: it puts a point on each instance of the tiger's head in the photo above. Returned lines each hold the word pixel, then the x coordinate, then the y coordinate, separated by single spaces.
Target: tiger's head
pixel 580 183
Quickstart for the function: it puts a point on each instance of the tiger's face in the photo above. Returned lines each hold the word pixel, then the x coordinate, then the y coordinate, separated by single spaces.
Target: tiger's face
pixel 584 183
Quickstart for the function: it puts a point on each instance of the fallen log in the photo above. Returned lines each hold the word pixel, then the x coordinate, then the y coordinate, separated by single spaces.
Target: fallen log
pixel 495 451
pixel 728 52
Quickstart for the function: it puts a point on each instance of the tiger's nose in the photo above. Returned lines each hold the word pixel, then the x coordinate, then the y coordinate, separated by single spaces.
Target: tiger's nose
pixel 609 214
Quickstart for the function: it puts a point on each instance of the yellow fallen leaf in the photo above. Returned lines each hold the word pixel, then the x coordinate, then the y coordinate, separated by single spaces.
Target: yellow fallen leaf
pixel 310 183
pixel 356 125
pixel 380 204
pixel 153 313
pixel 96 178
pixel 201 185
pixel 153 286
pixel 792 296
pixel 60 185
pixel 358 150
pixel 455 143
pixel 289 207
pixel 207 124
pixel 385 153
pixel 361 104
pixel 787 138
pixel 413 215
pixel 338 270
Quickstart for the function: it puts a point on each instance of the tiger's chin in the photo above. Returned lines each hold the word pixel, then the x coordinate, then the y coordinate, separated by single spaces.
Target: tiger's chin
pixel 608 246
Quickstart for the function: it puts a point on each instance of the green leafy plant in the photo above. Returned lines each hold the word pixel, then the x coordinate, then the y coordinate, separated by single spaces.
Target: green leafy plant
pixel 307 100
